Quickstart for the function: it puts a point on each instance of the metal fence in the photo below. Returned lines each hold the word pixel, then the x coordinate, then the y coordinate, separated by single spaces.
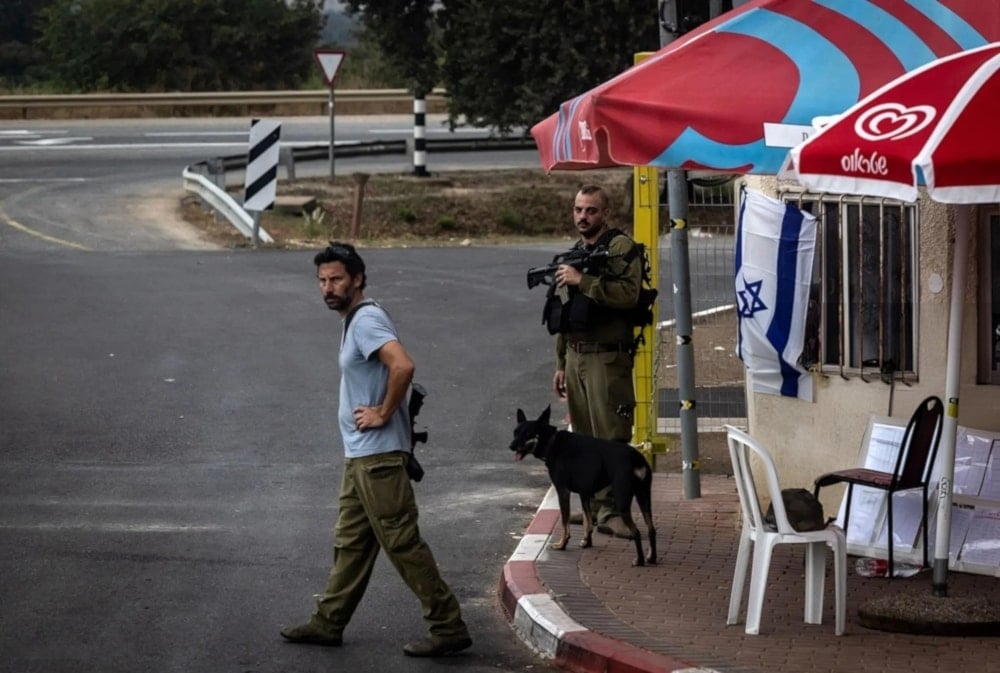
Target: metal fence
pixel 719 373
pixel 709 193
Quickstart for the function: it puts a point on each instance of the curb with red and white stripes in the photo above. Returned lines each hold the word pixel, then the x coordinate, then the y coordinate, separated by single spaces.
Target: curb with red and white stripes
pixel 542 624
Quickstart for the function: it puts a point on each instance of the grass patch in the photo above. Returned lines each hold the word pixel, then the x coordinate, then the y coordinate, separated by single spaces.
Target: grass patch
pixel 447 208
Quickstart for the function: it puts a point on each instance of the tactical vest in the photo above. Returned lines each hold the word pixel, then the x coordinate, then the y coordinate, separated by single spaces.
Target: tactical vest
pixel 576 312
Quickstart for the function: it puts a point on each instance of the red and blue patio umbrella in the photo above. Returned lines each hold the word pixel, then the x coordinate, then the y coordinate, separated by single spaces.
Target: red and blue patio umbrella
pixel 935 126
pixel 735 94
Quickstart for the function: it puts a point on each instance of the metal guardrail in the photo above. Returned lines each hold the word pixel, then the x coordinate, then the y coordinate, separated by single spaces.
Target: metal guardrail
pixel 207 178
pixel 216 197
pixel 379 147
pixel 315 99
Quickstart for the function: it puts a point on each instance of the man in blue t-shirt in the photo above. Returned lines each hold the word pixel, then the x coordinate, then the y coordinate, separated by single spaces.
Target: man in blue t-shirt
pixel 377 506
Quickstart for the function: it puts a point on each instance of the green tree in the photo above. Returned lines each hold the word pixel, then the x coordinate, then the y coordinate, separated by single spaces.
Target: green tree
pixel 406 33
pixel 512 63
pixel 366 66
pixel 180 45
pixel 17 56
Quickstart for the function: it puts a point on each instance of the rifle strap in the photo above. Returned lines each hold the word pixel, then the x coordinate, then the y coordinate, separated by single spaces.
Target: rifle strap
pixel 605 241
pixel 350 316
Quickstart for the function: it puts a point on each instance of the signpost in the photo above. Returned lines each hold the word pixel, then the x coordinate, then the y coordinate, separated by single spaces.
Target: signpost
pixel 329 62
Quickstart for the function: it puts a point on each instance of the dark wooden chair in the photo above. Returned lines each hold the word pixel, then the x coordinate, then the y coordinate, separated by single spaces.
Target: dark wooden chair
pixel 913 467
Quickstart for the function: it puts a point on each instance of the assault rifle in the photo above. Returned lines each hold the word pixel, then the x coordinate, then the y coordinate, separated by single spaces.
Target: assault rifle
pixel 417 395
pixel 578 258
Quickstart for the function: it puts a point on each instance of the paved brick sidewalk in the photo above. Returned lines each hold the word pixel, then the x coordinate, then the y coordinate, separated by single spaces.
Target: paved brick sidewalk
pixel 589 610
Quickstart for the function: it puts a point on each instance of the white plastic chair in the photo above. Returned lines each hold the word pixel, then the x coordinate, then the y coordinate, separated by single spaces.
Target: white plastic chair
pixel 763 537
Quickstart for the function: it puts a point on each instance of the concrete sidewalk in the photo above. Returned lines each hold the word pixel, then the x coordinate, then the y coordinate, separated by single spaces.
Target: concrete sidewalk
pixel 590 610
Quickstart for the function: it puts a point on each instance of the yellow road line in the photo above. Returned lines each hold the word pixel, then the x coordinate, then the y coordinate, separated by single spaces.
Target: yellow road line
pixel 38 234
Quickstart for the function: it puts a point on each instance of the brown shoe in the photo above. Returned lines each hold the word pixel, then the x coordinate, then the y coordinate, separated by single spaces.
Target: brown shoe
pixel 309 635
pixel 615 526
pixel 436 647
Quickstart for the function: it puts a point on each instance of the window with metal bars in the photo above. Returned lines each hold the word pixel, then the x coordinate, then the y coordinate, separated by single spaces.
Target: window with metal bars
pixel 862 311
pixel 989 299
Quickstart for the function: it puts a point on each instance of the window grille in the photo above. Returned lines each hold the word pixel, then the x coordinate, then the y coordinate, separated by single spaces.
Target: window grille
pixel 989 300
pixel 862 311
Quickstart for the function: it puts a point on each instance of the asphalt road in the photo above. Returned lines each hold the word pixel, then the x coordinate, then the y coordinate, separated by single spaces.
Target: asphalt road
pixel 115 184
pixel 169 459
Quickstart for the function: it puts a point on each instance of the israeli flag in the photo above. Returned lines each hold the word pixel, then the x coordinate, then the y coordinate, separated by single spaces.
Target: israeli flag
pixel 774 260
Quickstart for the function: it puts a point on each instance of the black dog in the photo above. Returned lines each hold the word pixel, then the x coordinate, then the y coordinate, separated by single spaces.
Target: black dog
pixel 581 464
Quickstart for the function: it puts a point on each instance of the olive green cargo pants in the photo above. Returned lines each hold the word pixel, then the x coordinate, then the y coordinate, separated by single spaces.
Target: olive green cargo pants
pixel 600 397
pixel 378 510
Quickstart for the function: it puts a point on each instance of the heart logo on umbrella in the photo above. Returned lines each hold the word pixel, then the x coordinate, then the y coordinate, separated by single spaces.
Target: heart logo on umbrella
pixel 892 121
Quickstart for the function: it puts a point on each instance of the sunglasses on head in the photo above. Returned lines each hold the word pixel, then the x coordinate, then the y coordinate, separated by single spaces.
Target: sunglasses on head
pixel 339 250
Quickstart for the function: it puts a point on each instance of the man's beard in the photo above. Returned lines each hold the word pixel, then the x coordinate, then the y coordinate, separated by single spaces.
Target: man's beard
pixel 586 228
pixel 336 302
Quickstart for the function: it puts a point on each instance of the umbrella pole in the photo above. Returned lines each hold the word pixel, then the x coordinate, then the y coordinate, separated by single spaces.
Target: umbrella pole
pixel 678 198
pixel 677 195
pixel 949 428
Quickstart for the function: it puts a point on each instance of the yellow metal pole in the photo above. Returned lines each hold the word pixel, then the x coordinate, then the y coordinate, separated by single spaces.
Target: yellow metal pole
pixel 646 230
pixel 645 224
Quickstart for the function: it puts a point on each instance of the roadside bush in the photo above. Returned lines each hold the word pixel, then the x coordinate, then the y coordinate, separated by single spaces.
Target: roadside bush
pixel 512 221
pixel 447 224
pixel 407 215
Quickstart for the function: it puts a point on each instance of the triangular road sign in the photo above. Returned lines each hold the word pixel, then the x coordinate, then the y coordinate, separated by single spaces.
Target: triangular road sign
pixel 329 61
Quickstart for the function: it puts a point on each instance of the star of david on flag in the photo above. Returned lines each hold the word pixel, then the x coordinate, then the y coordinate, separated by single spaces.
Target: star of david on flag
pixel 775 245
pixel 749 298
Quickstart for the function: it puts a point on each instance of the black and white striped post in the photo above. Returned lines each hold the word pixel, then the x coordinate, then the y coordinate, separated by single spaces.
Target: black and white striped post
pixel 419 137
pixel 261 181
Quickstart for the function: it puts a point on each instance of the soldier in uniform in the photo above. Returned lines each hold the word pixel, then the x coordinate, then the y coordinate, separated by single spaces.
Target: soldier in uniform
pixel 595 343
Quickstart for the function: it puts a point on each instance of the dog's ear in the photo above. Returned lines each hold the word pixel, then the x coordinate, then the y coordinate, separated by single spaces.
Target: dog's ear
pixel 544 418
pixel 521 418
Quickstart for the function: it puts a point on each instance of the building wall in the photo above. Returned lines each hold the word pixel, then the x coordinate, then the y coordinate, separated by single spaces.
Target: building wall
pixel 808 439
